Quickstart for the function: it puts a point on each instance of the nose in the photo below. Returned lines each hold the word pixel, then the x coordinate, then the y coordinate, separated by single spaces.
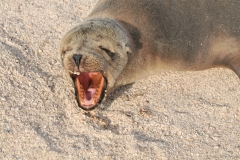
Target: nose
pixel 77 58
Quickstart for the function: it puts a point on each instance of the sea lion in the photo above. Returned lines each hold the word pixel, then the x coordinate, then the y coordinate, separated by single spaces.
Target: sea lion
pixel 122 41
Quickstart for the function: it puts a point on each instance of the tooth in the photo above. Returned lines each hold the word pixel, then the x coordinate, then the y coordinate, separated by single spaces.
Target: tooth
pixel 77 73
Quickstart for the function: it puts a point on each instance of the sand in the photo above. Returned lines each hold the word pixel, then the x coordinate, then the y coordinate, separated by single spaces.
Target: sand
pixel 175 115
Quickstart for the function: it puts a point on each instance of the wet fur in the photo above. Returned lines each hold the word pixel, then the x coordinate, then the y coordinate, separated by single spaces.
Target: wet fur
pixel 155 35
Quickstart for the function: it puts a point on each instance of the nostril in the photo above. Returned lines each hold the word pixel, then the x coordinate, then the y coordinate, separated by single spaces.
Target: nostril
pixel 77 58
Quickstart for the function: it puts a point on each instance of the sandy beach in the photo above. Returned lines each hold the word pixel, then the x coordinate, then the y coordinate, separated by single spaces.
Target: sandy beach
pixel 174 115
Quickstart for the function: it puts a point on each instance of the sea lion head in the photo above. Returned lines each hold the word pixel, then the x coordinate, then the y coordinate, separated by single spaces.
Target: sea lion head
pixel 94 54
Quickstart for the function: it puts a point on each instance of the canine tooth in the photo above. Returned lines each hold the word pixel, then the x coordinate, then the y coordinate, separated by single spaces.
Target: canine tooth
pixel 77 73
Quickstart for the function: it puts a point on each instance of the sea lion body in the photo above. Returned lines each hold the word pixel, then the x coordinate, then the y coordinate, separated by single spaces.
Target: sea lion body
pixel 143 37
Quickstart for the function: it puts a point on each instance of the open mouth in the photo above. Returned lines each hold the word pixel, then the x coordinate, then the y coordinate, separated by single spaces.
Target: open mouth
pixel 89 88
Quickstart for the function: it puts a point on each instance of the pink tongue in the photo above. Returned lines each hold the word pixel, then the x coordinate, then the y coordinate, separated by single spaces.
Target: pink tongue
pixel 88 95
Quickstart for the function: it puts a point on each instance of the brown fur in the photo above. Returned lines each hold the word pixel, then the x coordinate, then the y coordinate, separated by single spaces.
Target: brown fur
pixel 149 36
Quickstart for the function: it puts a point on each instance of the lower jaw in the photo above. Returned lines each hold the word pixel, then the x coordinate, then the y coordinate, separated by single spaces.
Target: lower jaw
pixel 89 105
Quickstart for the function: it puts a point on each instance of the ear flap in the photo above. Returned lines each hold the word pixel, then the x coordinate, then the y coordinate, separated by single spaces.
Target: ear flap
pixel 128 49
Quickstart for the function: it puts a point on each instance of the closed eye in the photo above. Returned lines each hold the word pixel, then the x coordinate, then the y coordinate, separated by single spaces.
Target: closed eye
pixel 64 52
pixel 109 53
